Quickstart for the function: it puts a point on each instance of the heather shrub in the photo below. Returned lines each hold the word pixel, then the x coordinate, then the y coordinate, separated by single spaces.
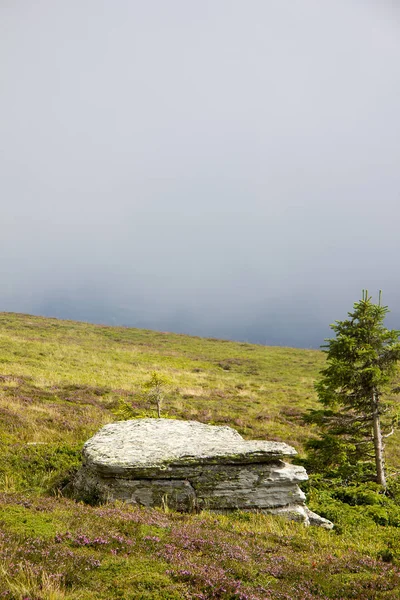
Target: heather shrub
pixel 351 505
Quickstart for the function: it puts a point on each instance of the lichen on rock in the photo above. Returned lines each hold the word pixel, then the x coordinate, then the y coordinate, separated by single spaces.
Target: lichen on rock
pixel 188 466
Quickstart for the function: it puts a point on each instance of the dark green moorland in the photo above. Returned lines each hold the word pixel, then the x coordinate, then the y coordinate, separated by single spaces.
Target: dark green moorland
pixel 61 380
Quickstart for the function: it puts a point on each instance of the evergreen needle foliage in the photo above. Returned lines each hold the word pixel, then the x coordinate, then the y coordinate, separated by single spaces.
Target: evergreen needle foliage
pixel 155 388
pixel 357 413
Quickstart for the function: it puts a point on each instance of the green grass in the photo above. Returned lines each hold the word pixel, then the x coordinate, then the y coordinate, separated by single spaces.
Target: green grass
pixel 61 380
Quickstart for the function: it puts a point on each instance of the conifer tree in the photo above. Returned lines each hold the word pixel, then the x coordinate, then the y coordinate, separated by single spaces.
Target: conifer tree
pixel 357 412
pixel 155 388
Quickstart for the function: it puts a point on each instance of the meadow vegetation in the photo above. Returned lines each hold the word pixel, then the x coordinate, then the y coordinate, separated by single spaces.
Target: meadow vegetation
pixel 61 380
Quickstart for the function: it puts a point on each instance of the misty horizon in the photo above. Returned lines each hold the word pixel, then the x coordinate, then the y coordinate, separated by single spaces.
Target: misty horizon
pixel 223 169
pixel 284 331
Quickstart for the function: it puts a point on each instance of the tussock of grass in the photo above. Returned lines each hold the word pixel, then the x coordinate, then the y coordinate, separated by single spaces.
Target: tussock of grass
pixel 60 381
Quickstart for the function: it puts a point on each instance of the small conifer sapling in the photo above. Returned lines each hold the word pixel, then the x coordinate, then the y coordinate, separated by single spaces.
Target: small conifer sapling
pixel 155 388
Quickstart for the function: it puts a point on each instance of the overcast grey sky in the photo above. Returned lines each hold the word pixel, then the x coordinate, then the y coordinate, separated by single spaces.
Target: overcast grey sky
pixel 216 167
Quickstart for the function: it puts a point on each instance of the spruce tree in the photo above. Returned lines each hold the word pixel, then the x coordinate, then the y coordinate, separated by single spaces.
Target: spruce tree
pixel 355 389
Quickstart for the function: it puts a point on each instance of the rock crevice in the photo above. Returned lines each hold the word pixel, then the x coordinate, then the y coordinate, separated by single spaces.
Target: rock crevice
pixel 189 466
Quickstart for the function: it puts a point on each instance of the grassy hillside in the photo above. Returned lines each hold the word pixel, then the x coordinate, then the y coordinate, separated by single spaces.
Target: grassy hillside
pixel 61 380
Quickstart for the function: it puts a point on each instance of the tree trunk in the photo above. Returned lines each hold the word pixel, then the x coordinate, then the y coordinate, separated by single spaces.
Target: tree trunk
pixel 159 399
pixel 378 442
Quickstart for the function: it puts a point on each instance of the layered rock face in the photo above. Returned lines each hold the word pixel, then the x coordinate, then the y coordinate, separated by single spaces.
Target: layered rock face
pixel 189 466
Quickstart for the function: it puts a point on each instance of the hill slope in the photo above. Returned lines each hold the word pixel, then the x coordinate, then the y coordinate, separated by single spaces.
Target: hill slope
pixel 61 380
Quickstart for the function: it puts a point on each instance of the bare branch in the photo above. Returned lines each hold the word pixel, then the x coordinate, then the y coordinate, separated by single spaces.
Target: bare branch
pixel 389 434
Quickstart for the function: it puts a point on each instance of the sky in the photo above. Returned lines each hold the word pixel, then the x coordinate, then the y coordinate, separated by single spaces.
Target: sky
pixel 225 168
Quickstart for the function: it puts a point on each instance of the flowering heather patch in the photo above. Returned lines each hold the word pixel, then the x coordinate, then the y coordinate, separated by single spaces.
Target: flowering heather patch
pixel 114 550
pixel 116 544
pixel 214 583
pixel 43 560
pixel 134 515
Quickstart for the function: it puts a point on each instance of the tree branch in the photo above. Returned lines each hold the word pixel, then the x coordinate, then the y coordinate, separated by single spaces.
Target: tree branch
pixel 389 434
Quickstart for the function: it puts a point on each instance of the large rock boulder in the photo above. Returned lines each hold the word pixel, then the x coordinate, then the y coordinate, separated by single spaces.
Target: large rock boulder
pixel 188 466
